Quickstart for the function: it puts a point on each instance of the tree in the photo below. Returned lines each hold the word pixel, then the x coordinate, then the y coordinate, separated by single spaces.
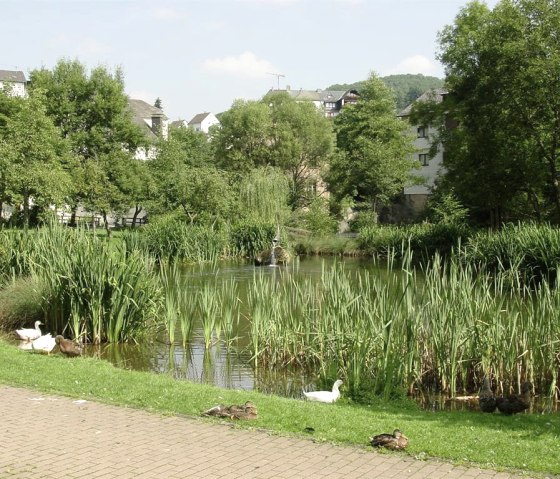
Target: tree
pixel 186 174
pixel 276 132
pixel 374 161
pixel 158 103
pixel 502 70
pixel 34 159
pixel 92 113
pixel 243 140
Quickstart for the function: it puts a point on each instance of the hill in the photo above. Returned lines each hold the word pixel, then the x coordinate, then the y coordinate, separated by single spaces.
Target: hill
pixel 407 87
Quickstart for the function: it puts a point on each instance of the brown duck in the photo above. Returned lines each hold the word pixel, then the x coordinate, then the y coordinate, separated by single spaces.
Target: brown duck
pixel 486 398
pixel 245 411
pixel 515 403
pixel 68 347
pixel 397 440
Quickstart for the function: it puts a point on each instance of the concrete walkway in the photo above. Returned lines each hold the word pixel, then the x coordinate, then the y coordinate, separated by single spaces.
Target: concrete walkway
pixel 46 436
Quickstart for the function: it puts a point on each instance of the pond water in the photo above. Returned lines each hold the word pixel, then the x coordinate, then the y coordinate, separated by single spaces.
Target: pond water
pixel 229 367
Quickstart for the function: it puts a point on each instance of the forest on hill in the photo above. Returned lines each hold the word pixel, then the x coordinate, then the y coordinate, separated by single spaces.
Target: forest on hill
pixel 407 87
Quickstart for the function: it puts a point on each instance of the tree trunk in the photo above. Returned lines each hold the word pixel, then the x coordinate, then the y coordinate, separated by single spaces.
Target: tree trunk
pixel 106 225
pixel 137 211
pixel 25 211
pixel 73 216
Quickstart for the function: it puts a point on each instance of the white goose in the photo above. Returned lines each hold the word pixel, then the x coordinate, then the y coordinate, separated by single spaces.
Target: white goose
pixel 30 334
pixel 325 396
pixel 45 343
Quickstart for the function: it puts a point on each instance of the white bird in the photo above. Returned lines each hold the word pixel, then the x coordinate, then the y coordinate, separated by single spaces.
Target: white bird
pixel 30 334
pixel 325 396
pixel 45 343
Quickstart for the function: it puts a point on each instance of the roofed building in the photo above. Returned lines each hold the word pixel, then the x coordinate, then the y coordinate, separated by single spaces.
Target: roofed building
pixel 153 122
pixel 203 122
pixel 331 101
pixel 13 82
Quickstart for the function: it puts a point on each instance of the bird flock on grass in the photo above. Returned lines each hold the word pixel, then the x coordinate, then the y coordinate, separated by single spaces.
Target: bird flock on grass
pixel 33 339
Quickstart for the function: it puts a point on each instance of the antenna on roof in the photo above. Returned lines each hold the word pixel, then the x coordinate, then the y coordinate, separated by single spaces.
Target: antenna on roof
pixel 277 75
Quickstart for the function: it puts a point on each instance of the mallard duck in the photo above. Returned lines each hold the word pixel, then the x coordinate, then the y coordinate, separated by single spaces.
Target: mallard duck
pixel 246 411
pixel 45 343
pixel 30 334
pixel 68 347
pixel 325 396
pixel 515 403
pixel 397 440
pixel 486 398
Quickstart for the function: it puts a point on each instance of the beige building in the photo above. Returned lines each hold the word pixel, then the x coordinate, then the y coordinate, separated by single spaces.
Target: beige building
pixel 14 82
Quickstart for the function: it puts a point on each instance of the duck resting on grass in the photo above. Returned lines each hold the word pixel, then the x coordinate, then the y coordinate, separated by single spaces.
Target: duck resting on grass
pixel 515 403
pixel 245 411
pixel 324 396
pixel 68 347
pixel 44 344
pixel 30 334
pixel 397 440
pixel 486 398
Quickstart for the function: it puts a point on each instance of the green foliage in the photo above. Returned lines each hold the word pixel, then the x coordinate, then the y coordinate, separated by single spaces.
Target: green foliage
pixel 34 159
pixel 374 163
pixel 447 209
pixel 406 87
pixel 263 195
pixel 249 237
pixel 316 219
pixel 171 237
pixel 92 112
pixel 424 239
pixel 279 132
pixel 502 159
pixel 92 289
pixel 21 301
pixel 530 250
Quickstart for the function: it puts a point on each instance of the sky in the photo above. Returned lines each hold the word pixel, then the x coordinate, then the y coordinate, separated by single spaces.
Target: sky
pixel 200 55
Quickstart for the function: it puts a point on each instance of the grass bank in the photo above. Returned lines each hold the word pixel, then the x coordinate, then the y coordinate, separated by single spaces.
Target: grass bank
pixel 525 442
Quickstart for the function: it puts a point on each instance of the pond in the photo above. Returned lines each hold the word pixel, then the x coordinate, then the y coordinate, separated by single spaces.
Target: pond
pixel 287 329
pixel 222 365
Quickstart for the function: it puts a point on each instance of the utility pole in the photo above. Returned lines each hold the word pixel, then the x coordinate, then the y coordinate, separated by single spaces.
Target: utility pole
pixel 277 75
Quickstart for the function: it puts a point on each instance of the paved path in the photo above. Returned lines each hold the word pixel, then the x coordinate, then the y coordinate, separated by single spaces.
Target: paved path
pixel 46 436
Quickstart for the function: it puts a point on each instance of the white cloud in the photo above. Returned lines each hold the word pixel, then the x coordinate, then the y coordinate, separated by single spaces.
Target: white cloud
pixel 244 65
pixel 416 64
pixel 168 13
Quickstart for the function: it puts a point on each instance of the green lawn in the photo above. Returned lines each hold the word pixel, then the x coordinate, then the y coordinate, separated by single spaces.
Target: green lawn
pixel 530 443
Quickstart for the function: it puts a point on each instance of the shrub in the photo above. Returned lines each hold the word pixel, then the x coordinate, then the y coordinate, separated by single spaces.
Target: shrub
pixel 21 302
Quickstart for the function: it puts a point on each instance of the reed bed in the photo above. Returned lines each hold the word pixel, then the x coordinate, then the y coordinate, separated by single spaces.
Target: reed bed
pixel 92 289
pixel 393 331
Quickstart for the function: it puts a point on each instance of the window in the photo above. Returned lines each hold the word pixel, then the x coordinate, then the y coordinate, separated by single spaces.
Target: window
pixel 423 159
pixel 421 132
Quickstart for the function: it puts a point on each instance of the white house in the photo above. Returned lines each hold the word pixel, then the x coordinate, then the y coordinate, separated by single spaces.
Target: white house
pixel 153 122
pixel 417 195
pixel 203 122
pixel 330 101
pixel 13 81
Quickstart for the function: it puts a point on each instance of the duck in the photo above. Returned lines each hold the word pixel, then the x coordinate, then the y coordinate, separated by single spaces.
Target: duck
pixel 486 398
pixel 45 343
pixel 30 334
pixel 247 411
pixel 515 403
pixel 325 396
pixel 68 347
pixel 397 440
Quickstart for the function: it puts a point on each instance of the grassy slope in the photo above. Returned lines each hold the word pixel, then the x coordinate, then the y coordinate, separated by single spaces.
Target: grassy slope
pixel 527 442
